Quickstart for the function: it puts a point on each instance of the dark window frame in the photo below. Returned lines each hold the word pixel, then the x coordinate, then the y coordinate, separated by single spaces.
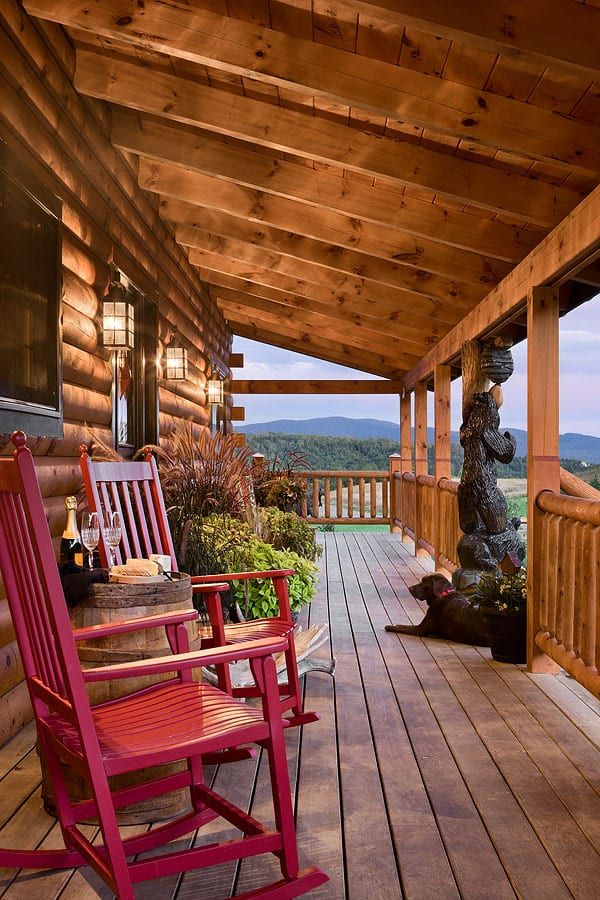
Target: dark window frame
pixel 37 419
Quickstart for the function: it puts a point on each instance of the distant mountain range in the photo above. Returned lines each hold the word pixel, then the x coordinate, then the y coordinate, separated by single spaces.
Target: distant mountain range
pixel 572 446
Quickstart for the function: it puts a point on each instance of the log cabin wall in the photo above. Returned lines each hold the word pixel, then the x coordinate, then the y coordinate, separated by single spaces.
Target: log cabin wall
pixel 63 139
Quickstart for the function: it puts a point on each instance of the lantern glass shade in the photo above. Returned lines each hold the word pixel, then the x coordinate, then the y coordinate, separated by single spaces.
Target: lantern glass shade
pixel 177 363
pixel 118 325
pixel 214 388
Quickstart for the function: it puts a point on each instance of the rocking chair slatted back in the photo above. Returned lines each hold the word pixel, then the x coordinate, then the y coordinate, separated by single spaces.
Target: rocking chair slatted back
pixel 34 590
pixel 133 490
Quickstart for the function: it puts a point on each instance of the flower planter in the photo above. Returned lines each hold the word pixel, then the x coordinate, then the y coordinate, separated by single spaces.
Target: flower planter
pixel 507 633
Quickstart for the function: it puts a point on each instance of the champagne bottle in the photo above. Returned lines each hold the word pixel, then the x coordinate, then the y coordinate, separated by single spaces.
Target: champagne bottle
pixel 71 550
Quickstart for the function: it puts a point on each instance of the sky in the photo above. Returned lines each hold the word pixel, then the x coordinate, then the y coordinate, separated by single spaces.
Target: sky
pixel 579 382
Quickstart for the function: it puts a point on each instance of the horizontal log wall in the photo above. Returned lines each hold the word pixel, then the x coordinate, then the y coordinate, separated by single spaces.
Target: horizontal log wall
pixel 63 138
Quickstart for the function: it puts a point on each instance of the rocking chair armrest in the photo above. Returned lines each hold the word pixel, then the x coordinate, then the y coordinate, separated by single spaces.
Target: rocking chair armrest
pixel 165 619
pixel 242 576
pixel 183 661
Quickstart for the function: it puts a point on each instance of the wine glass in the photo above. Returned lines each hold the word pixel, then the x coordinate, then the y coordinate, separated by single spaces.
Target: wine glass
pixel 112 534
pixel 90 534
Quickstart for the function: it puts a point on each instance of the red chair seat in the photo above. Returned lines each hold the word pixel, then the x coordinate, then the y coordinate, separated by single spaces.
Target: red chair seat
pixel 166 723
pixel 257 629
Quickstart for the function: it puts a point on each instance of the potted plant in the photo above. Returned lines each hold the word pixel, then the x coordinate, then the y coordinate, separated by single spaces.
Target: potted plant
pixel 504 607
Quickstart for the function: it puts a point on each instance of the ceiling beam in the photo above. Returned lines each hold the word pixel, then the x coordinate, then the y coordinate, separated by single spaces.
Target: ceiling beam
pixel 341 257
pixel 364 211
pixel 562 35
pixel 552 262
pixel 309 323
pixel 347 331
pixel 321 386
pixel 240 291
pixel 344 269
pixel 309 345
pixel 415 309
pixel 398 162
pixel 250 50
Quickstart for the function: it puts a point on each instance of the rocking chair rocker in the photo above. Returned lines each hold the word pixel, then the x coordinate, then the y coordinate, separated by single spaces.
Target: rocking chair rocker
pixel 176 719
pixel 133 490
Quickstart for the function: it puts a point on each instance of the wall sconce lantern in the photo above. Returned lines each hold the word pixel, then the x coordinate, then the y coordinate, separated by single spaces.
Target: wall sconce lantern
pixel 177 363
pixel 214 387
pixel 118 324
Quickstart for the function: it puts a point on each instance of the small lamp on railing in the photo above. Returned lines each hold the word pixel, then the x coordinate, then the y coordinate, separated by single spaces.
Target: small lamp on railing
pixel 176 358
pixel 118 323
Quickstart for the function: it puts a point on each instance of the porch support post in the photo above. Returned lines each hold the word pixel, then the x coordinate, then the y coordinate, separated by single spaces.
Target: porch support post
pixel 395 492
pixel 443 462
pixel 421 467
pixel 543 461
pixel 473 380
pixel 406 463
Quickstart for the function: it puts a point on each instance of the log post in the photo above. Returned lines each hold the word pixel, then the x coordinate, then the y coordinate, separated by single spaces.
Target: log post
pixel 443 462
pixel 543 462
pixel 473 380
pixel 421 467
pixel 406 463
pixel 395 465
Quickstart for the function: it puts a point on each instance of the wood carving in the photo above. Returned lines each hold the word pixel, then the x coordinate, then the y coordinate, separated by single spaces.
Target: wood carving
pixel 490 539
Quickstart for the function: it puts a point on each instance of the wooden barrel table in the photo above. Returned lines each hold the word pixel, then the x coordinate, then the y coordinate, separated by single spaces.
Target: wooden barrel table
pixel 116 603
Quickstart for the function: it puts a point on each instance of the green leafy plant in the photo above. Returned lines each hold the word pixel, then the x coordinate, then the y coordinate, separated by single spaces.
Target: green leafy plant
pixel 281 483
pixel 503 593
pixel 257 598
pixel 287 531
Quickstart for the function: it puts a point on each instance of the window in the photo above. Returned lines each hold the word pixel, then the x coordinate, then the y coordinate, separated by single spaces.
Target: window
pixel 135 390
pixel 30 265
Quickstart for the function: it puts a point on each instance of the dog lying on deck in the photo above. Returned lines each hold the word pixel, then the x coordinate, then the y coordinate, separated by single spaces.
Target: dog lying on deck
pixel 449 615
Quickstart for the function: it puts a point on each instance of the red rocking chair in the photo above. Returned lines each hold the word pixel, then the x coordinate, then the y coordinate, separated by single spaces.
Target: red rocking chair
pixel 133 490
pixel 177 719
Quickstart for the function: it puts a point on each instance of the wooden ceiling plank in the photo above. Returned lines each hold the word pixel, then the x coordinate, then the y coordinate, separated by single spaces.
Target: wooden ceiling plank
pixel 414 308
pixel 295 312
pixel 322 386
pixel 422 332
pixel 374 86
pixel 555 259
pixel 558 34
pixel 363 218
pixel 307 335
pixel 321 325
pixel 297 255
pixel 318 139
pixel 339 354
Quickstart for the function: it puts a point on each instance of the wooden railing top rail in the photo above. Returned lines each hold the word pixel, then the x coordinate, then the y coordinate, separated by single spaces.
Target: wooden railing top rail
pixel 427 480
pixel 343 473
pixel 448 485
pixel 576 487
pixel 579 508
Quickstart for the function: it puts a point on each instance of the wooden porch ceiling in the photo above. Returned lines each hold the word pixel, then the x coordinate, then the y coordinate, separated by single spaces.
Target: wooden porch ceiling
pixel 352 179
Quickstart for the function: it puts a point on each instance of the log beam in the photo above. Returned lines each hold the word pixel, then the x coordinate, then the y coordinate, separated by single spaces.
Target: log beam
pixel 380 88
pixel 288 131
pixel 322 386
pixel 475 244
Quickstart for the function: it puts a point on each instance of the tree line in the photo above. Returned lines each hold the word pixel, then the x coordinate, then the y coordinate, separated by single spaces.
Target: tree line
pixel 314 451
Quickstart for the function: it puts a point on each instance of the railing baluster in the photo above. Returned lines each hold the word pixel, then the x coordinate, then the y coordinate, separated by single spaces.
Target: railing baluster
pixel 327 498
pixel 315 497
pixel 350 498
pixel 361 497
pixel 339 498
pixel 373 496
pixel 385 505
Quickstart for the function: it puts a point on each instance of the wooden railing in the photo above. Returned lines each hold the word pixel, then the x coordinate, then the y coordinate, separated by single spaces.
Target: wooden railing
pixel 346 497
pixel 568 545
pixel 427 513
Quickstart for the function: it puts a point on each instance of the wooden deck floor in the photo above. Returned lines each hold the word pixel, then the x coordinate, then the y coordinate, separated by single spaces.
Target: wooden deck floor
pixel 434 772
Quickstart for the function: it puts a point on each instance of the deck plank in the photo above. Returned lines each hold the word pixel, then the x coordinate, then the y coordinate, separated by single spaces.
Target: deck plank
pixel 434 772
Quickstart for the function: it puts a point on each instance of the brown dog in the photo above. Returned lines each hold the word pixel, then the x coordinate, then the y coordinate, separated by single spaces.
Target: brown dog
pixel 449 614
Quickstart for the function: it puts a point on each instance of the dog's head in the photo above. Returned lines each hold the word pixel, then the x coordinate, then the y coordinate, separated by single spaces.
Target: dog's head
pixel 433 589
